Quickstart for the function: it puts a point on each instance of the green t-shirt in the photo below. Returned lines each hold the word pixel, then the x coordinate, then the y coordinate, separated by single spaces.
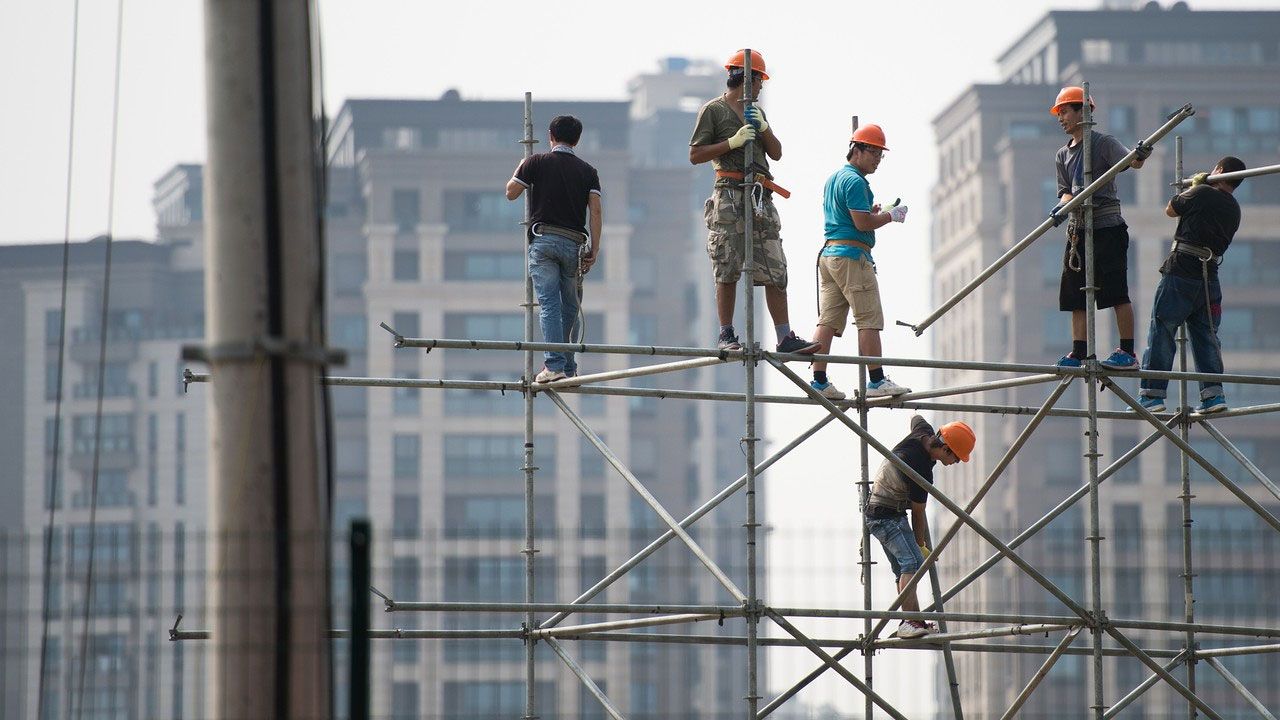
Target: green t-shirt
pixel 717 122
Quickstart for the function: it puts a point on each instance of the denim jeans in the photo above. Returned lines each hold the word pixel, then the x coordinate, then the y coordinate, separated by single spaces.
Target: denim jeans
pixel 899 543
pixel 553 265
pixel 1179 300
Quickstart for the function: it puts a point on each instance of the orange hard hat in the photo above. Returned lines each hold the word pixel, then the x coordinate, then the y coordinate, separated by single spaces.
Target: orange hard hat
pixel 869 135
pixel 959 437
pixel 1070 95
pixel 757 63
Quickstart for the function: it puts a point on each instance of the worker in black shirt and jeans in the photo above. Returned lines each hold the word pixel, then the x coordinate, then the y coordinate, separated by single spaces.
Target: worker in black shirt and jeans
pixel 1208 217
pixel 562 188
pixel 892 494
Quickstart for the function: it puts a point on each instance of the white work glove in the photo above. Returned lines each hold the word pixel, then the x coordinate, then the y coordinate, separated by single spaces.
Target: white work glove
pixel 756 118
pixel 740 138
pixel 898 213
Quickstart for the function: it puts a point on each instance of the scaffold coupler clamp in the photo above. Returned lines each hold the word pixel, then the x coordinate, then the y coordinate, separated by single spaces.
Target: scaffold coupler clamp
pixel 399 339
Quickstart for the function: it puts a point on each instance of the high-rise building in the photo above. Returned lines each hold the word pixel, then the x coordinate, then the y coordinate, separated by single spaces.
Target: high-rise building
pixel 995 184
pixel 148 546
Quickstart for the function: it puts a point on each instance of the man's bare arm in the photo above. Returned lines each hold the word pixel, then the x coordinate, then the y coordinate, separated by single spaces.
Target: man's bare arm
pixel 920 523
pixel 514 188
pixel 868 221
pixel 596 223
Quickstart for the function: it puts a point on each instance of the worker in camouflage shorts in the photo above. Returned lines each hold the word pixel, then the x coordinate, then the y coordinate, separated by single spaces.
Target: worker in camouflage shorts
pixel 722 128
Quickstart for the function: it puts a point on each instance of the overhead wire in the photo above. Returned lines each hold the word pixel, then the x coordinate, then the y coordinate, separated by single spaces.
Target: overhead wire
pixel 52 456
pixel 103 334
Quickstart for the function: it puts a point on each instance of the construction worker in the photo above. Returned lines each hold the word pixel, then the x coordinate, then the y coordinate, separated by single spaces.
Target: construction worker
pixel 722 128
pixel 846 271
pixel 1110 233
pixel 1208 217
pixel 892 494
pixel 562 188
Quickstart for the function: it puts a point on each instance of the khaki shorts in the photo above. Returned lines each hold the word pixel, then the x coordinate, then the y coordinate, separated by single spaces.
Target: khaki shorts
pixel 723 215
pixel 845 283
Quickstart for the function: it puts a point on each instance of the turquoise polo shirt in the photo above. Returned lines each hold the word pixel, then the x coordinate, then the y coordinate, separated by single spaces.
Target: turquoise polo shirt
pixel 846 190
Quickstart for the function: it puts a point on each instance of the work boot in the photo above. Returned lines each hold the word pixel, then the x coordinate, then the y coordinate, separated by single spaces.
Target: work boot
pixel 728 341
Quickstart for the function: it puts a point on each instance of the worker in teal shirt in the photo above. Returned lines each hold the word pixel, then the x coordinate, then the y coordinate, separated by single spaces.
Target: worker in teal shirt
pixel 846 272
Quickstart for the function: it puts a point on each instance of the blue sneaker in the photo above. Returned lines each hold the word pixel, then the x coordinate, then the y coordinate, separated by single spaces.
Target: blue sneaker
pixel 1215 404
pixel 1152 404
pixel 1068 361
pixel 827 390
pixel 1120 360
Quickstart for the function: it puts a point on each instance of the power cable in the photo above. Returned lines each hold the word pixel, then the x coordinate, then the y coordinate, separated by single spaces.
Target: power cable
pixel 102 362
pixel 51 493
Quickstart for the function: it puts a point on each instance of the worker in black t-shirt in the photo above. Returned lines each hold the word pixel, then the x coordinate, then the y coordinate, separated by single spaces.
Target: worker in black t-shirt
pixel 562 188
pixel 1208 217
pixel 892 494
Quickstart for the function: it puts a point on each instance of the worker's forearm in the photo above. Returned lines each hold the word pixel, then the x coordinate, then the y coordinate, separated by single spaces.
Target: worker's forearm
pixel 597 223
pixel 772 145
pixel 699 154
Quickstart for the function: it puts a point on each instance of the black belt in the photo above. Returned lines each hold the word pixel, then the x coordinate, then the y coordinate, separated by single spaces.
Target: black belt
pixel 1199 252
pixel 883 512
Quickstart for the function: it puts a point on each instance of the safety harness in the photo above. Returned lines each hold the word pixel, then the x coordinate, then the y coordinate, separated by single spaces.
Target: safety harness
pixel 1205 256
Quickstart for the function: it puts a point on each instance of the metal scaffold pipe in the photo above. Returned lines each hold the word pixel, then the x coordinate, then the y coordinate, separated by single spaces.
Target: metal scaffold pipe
pixel 529 468
pixel 1239 175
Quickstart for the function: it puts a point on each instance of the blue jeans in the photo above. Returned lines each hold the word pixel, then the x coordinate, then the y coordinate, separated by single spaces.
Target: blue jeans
pixel 1179 300
pixel 899 543
pixel 553 265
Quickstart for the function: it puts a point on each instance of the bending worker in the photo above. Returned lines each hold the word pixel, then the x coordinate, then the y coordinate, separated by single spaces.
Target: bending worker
pixel 1208 217
pixel 892 494
pixel 722 128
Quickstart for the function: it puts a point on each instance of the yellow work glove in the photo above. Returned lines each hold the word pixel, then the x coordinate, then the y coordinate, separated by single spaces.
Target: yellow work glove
pixel 924 550
pixel 740 138
pixel 1199 178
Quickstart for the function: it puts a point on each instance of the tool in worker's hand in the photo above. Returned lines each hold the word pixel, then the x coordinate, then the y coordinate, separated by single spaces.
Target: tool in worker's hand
pixel 740 138
pixel 756 118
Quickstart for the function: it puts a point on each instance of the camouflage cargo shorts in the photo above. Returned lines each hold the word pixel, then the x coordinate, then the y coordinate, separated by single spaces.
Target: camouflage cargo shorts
pixel 725 245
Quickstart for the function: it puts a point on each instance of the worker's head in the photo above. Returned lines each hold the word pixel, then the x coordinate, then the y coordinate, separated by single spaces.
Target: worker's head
pixel 866 148
pixel 953 443
pixel 736 66
pixel 1228 164
pixel 565 130
pixel 1069 107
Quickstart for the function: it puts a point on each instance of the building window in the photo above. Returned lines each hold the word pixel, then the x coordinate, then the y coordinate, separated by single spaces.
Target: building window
pixel 474 456
pixel 590 462
pixel 179 565
pixel 406 400
pixel 153 474
pixel 1062 462
pixel 348 332
pixel 180 459
pixel 404 698
pixel 407 456
pixel 466 265
pixel 153 568
pixel 153 379
pixel 407 324
pixel 402 138
pixel 348 273
pixel 52 327
pixel 484 326
pixel 406 517
pixel 503 516
pixel 406 576
pixel 116 435
pixel 481 211
pixel 404 266
pixel 1122 444
pixel 496 579
pixel 51 381
pixel 406 209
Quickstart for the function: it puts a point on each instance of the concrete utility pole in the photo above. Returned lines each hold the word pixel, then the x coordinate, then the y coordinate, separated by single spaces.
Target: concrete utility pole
pixel 269 524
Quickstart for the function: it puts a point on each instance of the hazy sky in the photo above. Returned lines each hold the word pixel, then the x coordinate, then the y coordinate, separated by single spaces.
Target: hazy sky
pixel 895 64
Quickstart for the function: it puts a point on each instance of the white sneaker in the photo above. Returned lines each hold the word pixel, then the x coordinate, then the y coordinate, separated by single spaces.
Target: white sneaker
pixel 886 388
pixel 548 375
pixel 827 390
pixel 913 629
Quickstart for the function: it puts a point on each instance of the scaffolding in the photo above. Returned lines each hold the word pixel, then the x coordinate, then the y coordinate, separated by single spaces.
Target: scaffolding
pixel 751 608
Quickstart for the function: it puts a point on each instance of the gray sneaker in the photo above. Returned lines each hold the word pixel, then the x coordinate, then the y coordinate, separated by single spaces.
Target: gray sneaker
pixel 728 341
pixel 913 629
pixel 886 388
pixel 547 375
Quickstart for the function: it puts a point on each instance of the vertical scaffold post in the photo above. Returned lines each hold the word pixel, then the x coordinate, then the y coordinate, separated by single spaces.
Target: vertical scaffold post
pixel 360 541
pixel 1090 296
pixel 749 362
pixel 529 469
pixel 864 494
pixel 1184 466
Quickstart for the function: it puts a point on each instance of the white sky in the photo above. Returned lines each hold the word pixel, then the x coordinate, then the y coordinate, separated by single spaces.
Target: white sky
pixel 894 64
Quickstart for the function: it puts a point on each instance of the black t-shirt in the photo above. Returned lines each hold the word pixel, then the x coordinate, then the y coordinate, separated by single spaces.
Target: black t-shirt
pixel 1207 217
pixel 559 183
pixel 914 451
